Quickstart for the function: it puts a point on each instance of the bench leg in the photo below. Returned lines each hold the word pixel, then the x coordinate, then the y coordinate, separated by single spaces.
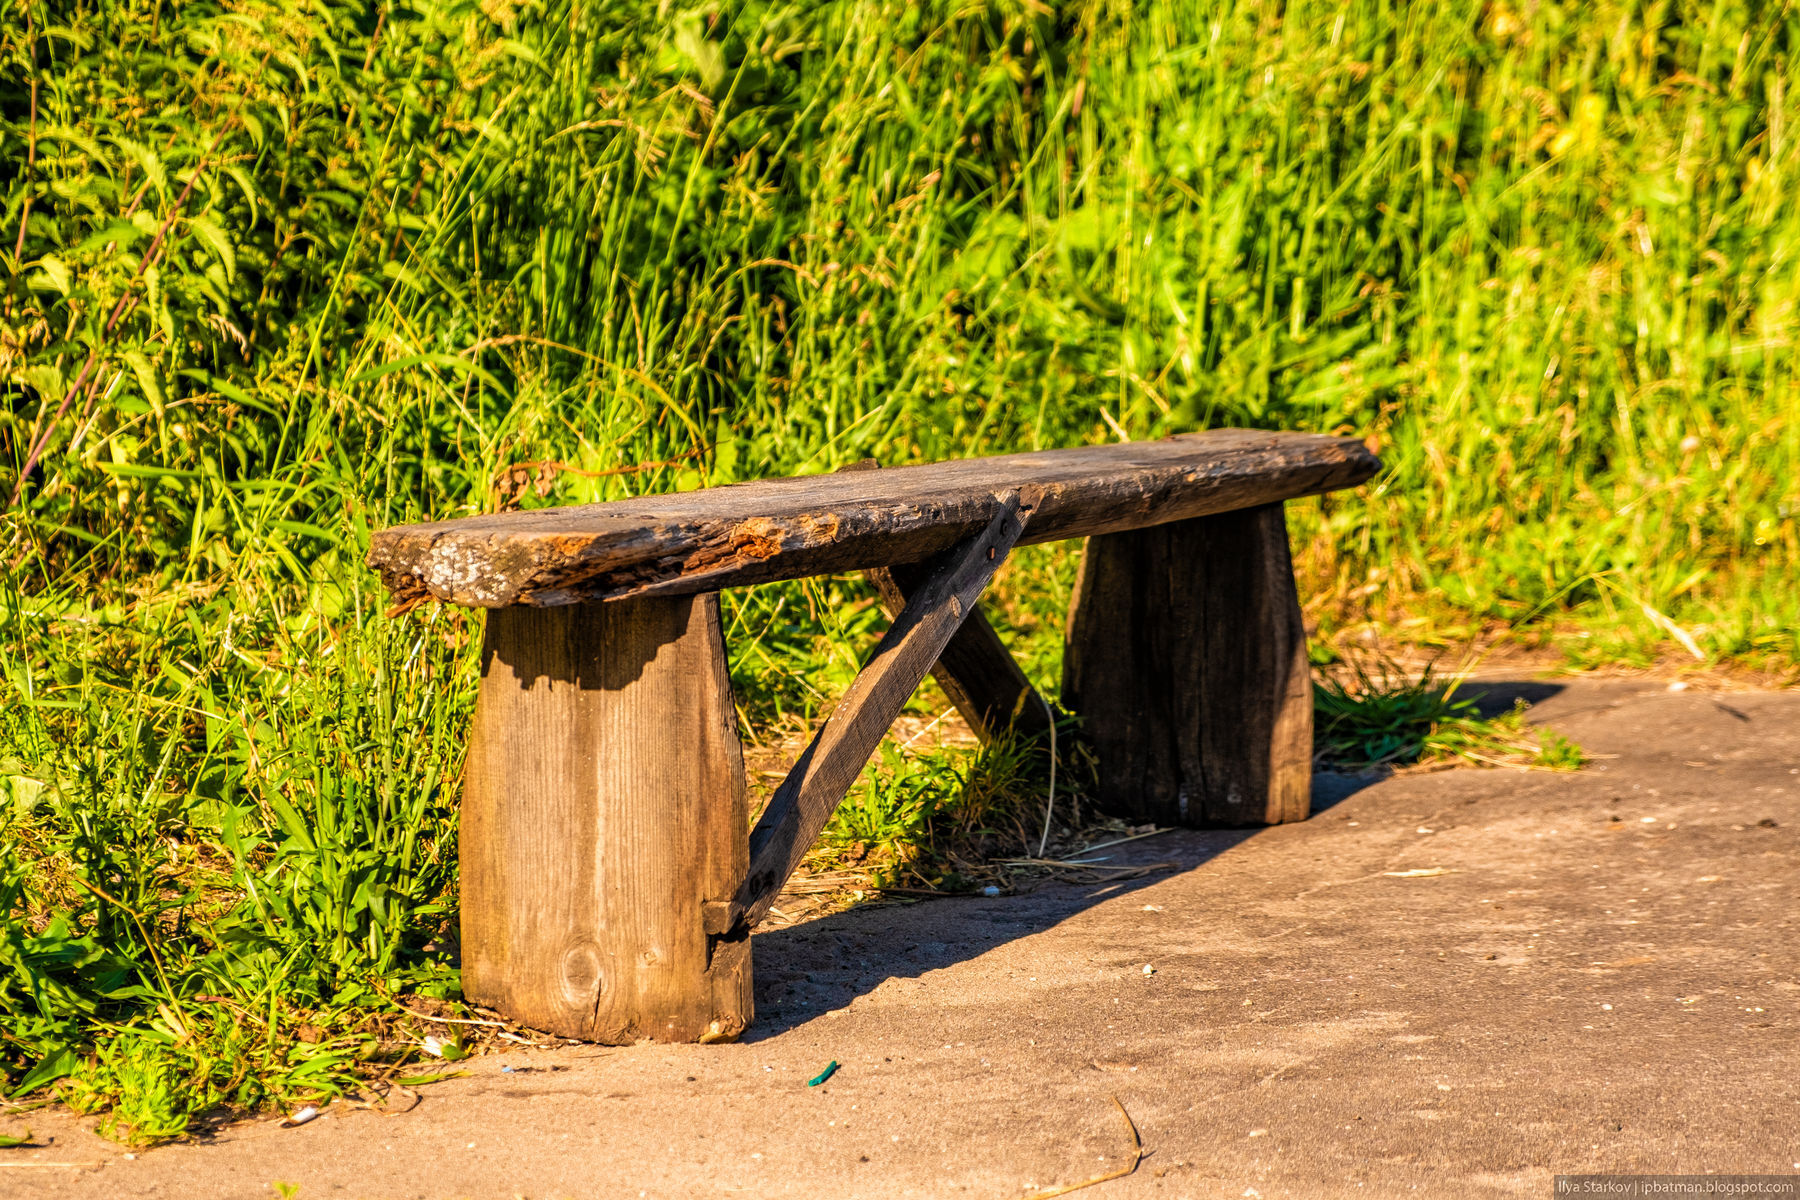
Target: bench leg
pixel 1186 658
pixel 604 824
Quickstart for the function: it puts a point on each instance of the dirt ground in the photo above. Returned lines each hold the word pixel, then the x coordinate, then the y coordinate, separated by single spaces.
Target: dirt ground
pixel 1458 983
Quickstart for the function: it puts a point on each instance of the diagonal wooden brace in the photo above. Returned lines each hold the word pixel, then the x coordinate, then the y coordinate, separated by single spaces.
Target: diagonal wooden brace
pixel 975 669
pixel 830 765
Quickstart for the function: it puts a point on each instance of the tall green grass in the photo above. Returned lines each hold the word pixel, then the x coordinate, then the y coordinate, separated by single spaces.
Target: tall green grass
pixel 277 275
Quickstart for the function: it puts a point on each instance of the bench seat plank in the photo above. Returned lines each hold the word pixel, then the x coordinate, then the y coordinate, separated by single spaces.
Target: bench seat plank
pixel 774 529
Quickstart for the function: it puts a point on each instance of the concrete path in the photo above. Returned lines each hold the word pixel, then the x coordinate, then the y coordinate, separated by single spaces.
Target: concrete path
pixel 1602 978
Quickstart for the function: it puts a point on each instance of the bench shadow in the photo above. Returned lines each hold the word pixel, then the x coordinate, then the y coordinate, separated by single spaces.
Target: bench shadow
pixel 806 970
pixel 1496 697
pixel 1492 698
pixel 1331 788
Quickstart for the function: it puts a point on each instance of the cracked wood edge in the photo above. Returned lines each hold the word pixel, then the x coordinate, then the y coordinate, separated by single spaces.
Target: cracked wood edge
pixel 825 771
pixel 776 529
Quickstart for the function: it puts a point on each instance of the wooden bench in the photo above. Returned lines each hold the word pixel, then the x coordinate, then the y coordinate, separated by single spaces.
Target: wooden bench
pixel 608 888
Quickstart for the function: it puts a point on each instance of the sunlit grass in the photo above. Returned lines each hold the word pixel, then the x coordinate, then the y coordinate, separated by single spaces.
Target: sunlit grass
pixel 1367 720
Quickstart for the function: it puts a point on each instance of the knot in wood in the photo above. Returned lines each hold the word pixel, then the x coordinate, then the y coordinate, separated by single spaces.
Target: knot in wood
pixel 581 974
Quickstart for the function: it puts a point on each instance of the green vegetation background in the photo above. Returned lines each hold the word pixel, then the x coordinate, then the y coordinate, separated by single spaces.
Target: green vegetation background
pixel 276 275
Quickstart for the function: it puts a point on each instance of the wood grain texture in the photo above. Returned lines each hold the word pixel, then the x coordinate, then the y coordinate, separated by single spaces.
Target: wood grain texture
pixel 603 824
pixel 790 528
pixel 804 802
pixel 1186 658
pixel 975 668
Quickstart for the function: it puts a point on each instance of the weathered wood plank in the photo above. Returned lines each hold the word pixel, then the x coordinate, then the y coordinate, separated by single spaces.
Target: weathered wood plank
pixel 975 668
pixel 1186 657
pixel 789 528
pixel 804 802
pixel 603 824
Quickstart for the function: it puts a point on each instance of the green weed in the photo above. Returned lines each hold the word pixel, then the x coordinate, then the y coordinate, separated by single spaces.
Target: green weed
pixel 914 816
pixel 1365 719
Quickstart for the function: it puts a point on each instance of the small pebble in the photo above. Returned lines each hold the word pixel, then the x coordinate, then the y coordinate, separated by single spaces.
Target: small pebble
pixel 1149 970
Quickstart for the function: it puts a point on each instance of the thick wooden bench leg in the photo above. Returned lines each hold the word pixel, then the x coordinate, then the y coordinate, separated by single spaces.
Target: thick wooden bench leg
pixel 603 828
pixel 1186 657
